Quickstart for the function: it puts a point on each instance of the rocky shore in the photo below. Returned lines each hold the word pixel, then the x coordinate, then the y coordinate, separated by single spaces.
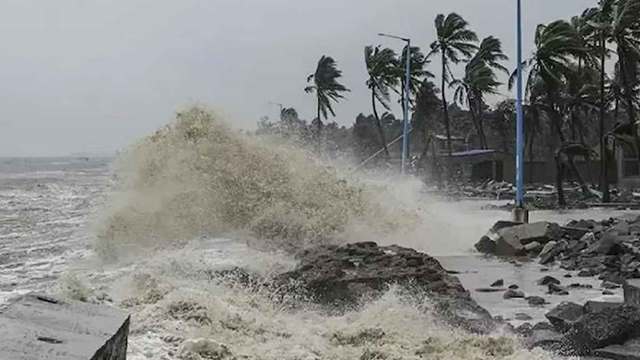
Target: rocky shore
pixel 341 277
pixel 608 250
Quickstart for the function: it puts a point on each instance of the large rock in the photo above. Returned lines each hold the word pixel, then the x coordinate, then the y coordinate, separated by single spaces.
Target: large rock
pixel 564 315
pixel 609 244
pixel 342 275
pixel 39 327
pixel 608 326
pixel 515 240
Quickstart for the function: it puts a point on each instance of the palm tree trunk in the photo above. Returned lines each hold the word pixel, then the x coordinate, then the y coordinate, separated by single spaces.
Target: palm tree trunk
pixel 379 124
pixel 572 165
pixel 604 176
pixel 628 95
pixel 319 120
pixel 559 175
pixel 445 109
pixel 474 120
pixel 483 136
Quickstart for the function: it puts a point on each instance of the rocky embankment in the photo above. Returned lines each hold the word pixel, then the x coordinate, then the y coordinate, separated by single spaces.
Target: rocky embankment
pixel 342 276
pixel 609 250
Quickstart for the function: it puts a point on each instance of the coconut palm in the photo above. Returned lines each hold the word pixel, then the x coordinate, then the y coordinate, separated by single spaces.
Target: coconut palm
pixel 455 43
pixel 601 22
pixel 625 32
pixel 326 87
pixel 381 67
pixel 557 45
pixel 480 79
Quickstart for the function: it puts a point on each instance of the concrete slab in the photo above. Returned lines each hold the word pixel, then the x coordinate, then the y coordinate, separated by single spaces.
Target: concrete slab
pixel 38 327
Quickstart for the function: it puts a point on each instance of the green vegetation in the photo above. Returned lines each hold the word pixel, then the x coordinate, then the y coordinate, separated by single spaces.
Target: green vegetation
pixel 582 88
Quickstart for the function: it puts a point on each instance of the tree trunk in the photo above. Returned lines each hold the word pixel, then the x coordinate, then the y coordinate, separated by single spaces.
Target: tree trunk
pixel 319 120
pixel 559 175
pixel 379 124
pixel 628 96
pixel 483 136
pixel 476 120
pixel 445 108
pixel 572 165
pixel 604 176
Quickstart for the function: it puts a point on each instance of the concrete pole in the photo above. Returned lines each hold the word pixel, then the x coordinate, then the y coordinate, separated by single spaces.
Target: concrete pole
pixel 519 213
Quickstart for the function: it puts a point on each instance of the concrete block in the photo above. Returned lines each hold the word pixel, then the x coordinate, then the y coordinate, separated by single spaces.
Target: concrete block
pixel 632 292
pixel 39 327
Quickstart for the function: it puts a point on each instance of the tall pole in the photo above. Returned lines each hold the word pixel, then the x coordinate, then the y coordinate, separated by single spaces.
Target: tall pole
pixel 405 103
pixel 405 130
pixel 519 119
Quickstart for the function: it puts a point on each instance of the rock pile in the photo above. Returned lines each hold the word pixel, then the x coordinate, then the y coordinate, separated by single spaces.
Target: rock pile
pixel 340 276
pixel 606 330
pixel 609 248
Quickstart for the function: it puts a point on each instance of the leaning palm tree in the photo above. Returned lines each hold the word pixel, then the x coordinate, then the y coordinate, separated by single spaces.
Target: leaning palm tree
pixel 326 87
pixel 625 32
pixel 601 23
pixel 381 65
pixel 455 43
pixel 480 79
pixel 557 45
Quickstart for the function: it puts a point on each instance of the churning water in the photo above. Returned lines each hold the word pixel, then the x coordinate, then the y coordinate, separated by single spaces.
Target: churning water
pixel 150 231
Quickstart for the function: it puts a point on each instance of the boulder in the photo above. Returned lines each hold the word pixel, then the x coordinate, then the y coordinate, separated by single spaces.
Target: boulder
pixel 609 244
pixel 513 294
pixel 340 276
pixel 556 289
pixel 536 301
pixel 563 315
pixel 512 240
pixel 592 306
pixel 487 243
pixel 546 280
pixel 546 249
pixel 498 283
pixel 608 326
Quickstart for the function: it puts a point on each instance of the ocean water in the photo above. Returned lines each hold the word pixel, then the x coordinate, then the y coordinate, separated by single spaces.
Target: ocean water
pixel 146 233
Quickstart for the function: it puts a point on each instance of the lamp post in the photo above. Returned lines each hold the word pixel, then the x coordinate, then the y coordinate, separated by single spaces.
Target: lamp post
pixel 405 130
pixel 520 214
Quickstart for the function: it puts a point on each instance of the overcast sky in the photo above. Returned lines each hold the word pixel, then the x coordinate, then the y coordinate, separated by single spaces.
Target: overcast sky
pixel 94 75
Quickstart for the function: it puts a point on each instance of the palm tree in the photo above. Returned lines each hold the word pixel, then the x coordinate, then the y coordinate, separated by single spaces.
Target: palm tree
pixel 455 43
pixel 480 79
pixel 381 65
pixel 326 87
pixel 557 45
pixel 625 32
pixel 601 21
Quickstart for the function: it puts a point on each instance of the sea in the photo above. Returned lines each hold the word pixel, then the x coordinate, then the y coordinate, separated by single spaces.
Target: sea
pixel 55 212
